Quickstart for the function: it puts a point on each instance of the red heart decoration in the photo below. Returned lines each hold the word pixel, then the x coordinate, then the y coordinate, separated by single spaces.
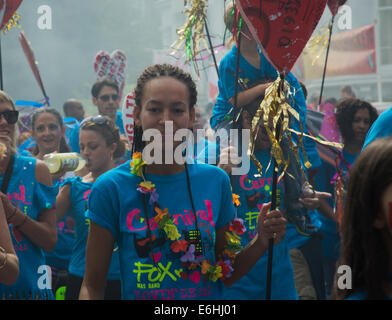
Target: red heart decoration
pixel 7 10
pixel 334 5
pixel 195 277
pixel 156 256
pixel 281 28
pixel 111 66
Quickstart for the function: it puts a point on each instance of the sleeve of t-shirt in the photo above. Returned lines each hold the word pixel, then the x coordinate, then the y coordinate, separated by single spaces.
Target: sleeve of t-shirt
pixel 103 209
pixel 227 210
pixel 226 88
pixel 381 128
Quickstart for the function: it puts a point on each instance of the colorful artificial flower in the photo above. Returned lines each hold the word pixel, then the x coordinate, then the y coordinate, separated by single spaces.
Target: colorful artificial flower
pixel 236 200
pixel 136 164
pixel 215 273
pixel 189 256
pixel 237 226
pixel 160 214
pixel 180 245
pixel 146 186
pixel 205 266
pixel 171 231
pixel 226 268
pixel 154 196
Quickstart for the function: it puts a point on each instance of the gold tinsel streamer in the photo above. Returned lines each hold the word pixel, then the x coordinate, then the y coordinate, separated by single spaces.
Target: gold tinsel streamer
pixel 318 43
pixel 13 22
pixel 323 142
pixel 191 34
pixel 272 107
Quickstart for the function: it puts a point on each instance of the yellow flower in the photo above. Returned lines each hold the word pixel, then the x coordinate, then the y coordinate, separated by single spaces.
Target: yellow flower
pixel 171 231
pixel 136 166
pixel 217 273
pixel 236 202
pixel 147 185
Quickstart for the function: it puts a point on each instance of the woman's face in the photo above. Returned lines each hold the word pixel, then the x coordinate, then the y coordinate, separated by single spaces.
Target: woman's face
pixel 94 150
pixel 47 133
pixel 361 125
pixel 165 99
pixel 6 130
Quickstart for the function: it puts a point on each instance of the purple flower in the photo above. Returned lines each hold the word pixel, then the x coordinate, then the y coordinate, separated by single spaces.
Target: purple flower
pixel 154 196
pixel 189 255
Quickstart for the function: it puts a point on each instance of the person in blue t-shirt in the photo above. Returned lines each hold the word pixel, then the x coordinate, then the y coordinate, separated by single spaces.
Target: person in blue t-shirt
pixel 354 118
pixel 28 202
pixel 172 253
pixel 48 132
pixel 381 128
pixel 254 191
pixel 256 74
pixel 365 263
pixel 100 144
pixel 105 96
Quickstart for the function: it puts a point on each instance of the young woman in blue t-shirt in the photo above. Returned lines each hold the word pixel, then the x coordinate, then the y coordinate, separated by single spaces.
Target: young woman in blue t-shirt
pixel 100 145
pixel 28 203
pixel 171 229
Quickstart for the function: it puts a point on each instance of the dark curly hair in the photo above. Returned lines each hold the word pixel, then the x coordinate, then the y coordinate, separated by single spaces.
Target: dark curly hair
pixel 363 246
pixel 153 72
pixel 345 113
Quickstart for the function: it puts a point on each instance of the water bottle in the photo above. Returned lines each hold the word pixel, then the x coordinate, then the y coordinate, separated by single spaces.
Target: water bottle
pixel 57 161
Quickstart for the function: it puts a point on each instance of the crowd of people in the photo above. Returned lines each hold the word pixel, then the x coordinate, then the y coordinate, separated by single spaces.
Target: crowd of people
pixel 124 227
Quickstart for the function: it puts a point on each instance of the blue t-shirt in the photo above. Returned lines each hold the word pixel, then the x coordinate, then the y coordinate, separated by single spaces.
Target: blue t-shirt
pixel 253 192
pixel 78 196
pixel 116 205
pixel 329 228
pixel 71 135
pixel 206 151
pixel 381 128
pixel 31 197
pixel 250 74
pixel 59 257
pixel 119 122
pixel 296 240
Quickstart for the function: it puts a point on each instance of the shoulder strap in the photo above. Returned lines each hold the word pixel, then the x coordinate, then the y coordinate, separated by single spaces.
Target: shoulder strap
pixel 7 175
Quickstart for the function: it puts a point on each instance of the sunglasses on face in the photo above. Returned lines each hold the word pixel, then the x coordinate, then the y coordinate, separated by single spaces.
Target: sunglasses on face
pixel 106 97
pixel 11 116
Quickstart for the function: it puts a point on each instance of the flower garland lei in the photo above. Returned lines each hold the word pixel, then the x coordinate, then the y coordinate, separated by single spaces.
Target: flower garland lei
pixel 222 269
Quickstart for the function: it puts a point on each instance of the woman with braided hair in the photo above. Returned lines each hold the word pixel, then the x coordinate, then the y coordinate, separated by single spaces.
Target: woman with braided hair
pixel 171 220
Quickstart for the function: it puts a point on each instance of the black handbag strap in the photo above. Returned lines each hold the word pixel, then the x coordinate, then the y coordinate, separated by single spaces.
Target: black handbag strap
pixel 7 175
